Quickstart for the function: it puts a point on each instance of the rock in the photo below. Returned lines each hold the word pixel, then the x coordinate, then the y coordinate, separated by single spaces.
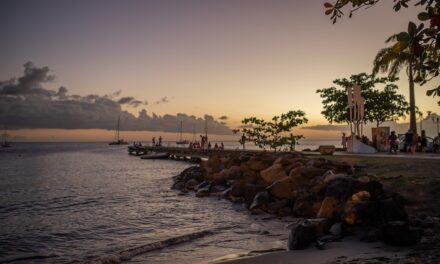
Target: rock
pixel 312 172
pixel 237 189
pixel 328 205
pixel 258 163
pixel 250 190
pixel 336 230
pixel 301 236
pixel 218 188
pixel 284 188
pixel 201 185
pixel 398 233
pixel 307 206
pixel 178 185
pixel 328 177
pixel 273 173
pixel 203 191
pixel 356 213
pixel 226 193
pixel 341 188
pixel 275 206
pixel 224 175
pixel 361 196
pixel 261 200
pixel 191 184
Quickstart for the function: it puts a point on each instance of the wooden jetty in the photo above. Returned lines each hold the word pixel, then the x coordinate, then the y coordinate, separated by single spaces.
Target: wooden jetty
pixel 179 153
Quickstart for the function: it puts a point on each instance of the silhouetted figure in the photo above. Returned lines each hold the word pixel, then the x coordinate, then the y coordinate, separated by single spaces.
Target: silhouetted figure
pixel 423 142
pixel 209 145
pixel 436 144
pixel 216 146
pixel 160 141
pixel 222 146
pixel 344 141
pixel 408 141
pixel 153 141
pixel 393 142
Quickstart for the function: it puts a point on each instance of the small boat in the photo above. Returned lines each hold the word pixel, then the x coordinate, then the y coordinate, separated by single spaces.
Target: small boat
pixel 118 141
pixel 5 143
pixel 180 141
pixel 154 155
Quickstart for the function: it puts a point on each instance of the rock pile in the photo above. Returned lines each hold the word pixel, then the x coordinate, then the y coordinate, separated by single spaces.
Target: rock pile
pixel 338 200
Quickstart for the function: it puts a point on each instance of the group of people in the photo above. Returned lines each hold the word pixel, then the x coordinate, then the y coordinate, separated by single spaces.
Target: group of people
pixel 411 142
pixel 205 144
pixel 158 143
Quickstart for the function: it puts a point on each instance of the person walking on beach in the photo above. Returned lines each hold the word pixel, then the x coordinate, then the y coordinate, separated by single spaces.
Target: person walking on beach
pixel 160 141
pixel 344 141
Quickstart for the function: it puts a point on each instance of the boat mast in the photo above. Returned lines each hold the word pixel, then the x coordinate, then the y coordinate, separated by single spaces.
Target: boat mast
pixel 117 132
pixel 206 127
pixel 181 129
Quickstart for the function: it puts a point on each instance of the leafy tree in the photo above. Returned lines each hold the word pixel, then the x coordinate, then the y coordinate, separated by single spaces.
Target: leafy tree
pixel 427 64
pixel 275 134
pixel 380 106
pixel 404 52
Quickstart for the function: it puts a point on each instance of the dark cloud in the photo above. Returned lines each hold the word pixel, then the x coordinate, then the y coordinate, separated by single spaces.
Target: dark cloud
pixel 129 100
pixel 25 103
pixel 163 100
pixel 223 118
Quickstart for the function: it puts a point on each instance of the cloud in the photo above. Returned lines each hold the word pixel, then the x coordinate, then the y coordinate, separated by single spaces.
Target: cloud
pixel 129 100
pixel 163 100
pixel 223 118
pixel 25 103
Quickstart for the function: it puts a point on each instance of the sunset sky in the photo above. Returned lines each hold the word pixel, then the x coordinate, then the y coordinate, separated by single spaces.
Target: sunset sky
pixel 231 58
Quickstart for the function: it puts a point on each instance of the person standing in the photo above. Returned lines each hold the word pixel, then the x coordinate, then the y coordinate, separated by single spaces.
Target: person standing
pixel 344 141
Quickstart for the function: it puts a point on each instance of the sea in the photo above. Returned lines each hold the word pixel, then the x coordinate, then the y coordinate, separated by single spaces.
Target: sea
pixel 77 202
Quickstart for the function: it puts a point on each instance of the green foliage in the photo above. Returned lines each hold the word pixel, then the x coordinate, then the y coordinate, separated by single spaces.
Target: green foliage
pixel 423 44
pixel 380 105
pixel 275 134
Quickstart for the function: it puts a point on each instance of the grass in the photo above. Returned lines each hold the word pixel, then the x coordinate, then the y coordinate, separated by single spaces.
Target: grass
pixel 418 180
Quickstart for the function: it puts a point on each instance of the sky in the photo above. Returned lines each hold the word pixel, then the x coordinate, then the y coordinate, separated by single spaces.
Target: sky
pixel 229 59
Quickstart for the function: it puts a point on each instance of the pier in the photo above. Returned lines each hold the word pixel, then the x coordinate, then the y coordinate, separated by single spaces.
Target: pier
pixel 179 153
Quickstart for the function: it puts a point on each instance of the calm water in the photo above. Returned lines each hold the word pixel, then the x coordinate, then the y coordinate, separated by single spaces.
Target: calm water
pixel 70 202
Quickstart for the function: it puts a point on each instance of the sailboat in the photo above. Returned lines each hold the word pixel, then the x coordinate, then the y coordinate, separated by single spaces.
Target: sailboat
pixel 5 143
pixel 180 141
pixel 118 141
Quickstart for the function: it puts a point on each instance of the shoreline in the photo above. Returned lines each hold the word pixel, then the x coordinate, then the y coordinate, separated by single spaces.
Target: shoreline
pixel 345 251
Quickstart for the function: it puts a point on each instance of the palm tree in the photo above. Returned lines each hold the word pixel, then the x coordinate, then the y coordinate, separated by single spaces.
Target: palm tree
pixel 405 52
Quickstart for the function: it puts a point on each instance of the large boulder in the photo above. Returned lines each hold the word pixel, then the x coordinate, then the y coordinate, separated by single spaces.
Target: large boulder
pixel 224 175
pixel 285 188
pixel 273 173
pixel 307 205
pixel 359 213
pixel 301 236
pixel 328 206
pixel 191 184
pixel 260 162
pixel 340 188
pixel 251 190
pixel 261 200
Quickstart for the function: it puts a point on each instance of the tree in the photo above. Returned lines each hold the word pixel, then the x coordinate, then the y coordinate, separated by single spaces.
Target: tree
pixel 404 52
pixel 380 106
pixel 427 65
pixel 275 134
